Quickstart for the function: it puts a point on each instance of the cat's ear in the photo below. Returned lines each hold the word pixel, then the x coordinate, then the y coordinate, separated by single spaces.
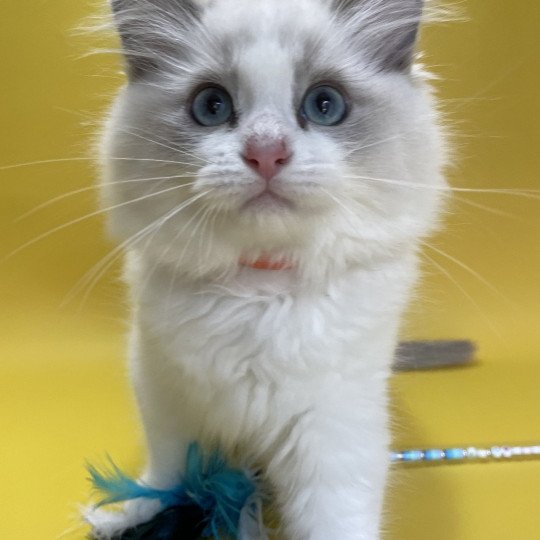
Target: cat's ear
pixel 152 30
pixel 386 30
pixel 192 7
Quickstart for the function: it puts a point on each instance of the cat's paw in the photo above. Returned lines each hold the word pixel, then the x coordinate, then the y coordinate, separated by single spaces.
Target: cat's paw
pixel 109 525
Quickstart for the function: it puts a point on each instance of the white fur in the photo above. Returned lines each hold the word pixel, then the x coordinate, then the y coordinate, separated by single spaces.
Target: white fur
pixel 285 370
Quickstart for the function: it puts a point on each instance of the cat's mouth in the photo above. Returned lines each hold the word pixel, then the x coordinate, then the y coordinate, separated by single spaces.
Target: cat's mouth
pixel 268 200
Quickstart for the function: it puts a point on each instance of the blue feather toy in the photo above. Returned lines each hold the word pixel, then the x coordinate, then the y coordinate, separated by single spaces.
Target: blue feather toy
pixel 210 502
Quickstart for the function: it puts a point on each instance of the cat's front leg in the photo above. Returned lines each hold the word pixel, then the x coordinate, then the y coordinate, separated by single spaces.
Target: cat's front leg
pixel 330 475
pixel 166 422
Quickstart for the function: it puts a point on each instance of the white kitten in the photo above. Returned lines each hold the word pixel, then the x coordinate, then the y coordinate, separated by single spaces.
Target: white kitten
pixel 259 134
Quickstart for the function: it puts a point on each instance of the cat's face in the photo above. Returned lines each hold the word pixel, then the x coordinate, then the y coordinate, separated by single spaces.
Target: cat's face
pixel 270 125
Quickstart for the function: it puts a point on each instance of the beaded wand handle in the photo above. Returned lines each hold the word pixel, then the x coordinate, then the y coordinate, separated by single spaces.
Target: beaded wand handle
pixel 471 453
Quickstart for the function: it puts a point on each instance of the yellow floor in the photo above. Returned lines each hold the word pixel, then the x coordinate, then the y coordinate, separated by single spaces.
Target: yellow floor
pixel 64 399
pixel 63 395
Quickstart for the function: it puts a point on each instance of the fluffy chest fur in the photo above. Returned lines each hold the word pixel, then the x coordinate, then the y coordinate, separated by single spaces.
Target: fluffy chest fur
pixel 263 322
pixel 245 361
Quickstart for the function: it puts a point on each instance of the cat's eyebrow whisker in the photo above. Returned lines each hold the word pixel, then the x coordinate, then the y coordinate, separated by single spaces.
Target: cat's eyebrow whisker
pixel 91 277
pixel 94 187
pixel 480 94
pixel 466 100
pixel 85 217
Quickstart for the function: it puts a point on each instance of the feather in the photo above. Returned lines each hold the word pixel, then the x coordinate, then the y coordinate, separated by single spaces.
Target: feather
pixel 210 501
pixel 118 487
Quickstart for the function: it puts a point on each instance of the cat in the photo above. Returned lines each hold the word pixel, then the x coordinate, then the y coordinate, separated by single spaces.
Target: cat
pixel 272 167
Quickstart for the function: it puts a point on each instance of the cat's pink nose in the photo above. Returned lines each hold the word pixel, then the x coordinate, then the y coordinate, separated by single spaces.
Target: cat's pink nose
pixel 267 158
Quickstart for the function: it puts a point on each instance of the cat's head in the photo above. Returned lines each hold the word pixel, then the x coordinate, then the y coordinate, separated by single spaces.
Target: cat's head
pixel 297 128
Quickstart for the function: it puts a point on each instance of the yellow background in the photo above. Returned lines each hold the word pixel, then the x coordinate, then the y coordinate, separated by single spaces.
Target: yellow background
pixel 63 396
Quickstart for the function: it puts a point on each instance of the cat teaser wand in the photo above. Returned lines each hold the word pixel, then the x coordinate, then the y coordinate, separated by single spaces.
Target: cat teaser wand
pixel 217 501
pixel 470 453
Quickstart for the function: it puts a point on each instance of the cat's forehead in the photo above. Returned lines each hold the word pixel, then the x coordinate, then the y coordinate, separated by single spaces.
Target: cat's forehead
pixel 262 17
pixel 275 24
pixel 270 43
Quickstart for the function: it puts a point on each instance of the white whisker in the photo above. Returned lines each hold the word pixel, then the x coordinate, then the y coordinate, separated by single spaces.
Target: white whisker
pixel 484 207
pixel 150 137
pixel 84 159
pixel 518 192
pixel 163 145
pixel 180 259
pixel 99 269
pixel 460 287
pixel 85 217
pixel 168 249
pixel 94 187
pixel 471 271
pixel 339 203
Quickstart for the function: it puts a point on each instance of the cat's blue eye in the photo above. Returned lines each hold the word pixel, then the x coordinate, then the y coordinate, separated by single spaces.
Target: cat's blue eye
pixel 325 106
pixel 212 107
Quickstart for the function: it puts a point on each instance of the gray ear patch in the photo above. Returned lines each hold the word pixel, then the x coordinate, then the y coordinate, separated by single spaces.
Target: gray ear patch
pixel 386 30
pixel 191 6
pixel 343 5
pixel 145 26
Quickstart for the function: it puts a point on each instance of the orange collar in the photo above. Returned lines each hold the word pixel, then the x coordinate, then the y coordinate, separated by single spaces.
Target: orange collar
pixel 264 262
